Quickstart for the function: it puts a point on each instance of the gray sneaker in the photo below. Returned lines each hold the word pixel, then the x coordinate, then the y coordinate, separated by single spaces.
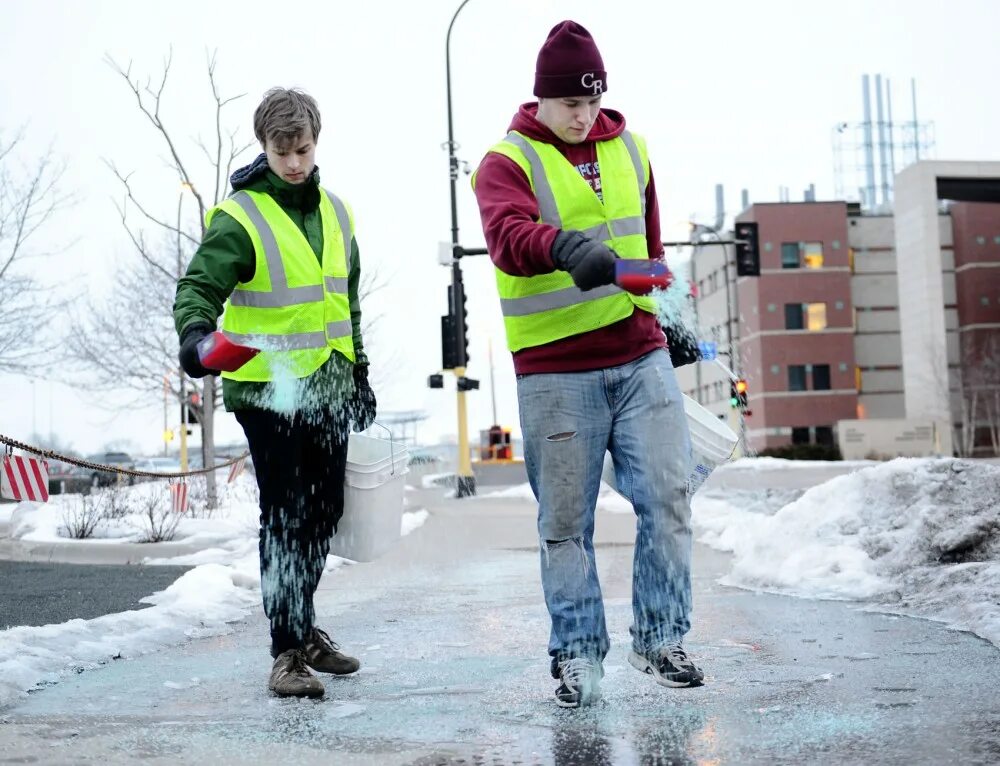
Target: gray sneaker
pixel 581 682
pixel 324 656
pixel 669 665
pixel 290 676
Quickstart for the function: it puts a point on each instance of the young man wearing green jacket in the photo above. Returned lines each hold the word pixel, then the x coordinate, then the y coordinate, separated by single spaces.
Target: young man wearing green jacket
pixel 280 263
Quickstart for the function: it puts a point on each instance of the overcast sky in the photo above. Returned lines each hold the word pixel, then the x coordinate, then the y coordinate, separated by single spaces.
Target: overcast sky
pixel 745 94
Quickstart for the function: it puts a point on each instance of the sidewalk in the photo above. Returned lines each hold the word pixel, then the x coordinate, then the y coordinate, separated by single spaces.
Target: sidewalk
pixel 452 633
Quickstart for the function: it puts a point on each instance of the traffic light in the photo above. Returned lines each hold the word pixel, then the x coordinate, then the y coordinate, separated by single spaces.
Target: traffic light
pixel 455 329
pixel 191 409
pixel 738 396
pixel 456 304
pixel 741 393
pixel 464 317
pixel 747 250
pixel 449 342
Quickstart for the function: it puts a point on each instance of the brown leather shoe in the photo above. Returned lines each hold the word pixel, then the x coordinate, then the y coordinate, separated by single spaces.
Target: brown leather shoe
pixel 324 656
pixel 290 676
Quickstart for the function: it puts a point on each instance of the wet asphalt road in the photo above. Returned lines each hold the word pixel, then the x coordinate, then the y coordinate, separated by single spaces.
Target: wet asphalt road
pixel 33 593
pixel 452 631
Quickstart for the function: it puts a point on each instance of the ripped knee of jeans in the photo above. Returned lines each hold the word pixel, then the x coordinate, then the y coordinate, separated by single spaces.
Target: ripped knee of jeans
pixel 549 545
pixel 561 437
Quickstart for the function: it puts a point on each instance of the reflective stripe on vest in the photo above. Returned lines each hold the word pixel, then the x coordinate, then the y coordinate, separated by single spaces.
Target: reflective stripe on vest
pixel 549 212
pixel 296 307
pixel 281 294
pixel 548 307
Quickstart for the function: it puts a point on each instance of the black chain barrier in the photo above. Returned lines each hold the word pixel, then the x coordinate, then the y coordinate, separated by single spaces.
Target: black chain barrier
pixel 45 453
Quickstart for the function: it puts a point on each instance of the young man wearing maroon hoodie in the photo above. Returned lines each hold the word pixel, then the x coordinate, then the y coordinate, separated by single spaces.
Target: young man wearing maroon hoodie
pixel 562 197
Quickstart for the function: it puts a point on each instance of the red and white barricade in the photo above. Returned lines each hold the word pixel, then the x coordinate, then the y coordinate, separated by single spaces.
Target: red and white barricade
pixel 236 469
pixel 24 478
pixel 178 496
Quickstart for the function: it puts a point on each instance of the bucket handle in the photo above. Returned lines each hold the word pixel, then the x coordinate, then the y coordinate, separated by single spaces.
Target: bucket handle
pixel 392 452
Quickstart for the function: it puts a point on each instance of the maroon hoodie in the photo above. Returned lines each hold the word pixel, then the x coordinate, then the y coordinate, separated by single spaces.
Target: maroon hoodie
pixel 522 247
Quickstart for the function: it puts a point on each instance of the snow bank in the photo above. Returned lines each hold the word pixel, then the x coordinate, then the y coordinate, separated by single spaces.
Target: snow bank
pixel 918 536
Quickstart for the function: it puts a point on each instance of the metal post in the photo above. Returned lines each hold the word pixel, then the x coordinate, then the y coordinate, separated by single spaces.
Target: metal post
pixel 465 481
pixel 184 428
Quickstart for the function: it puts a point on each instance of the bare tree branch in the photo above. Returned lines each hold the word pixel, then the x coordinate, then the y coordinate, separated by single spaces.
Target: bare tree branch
pixel 130 196
pixel 26 304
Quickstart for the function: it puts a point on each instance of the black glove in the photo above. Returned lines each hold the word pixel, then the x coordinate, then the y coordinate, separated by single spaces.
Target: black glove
pixel 682 345
pixel 363 402
pixel 188 356
pixel 590 263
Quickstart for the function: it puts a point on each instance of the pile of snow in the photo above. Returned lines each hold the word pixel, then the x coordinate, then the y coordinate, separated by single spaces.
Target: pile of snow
pixel 916 536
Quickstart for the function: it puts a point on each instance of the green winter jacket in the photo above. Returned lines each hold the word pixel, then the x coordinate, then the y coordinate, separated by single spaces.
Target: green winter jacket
pixel 225 258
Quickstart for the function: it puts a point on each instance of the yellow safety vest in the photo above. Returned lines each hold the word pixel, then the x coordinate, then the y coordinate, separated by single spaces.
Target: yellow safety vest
pixel 295 308
pixel 549 307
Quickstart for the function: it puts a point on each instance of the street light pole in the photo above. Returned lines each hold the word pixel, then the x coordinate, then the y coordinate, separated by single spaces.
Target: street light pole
pixel 465 481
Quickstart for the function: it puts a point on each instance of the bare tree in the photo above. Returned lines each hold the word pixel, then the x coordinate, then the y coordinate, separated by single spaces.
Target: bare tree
pixel 980 393
pixel 28 200
pixel 105 339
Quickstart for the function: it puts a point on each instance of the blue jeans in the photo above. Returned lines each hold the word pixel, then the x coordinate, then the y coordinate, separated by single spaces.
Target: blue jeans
pixel 568 421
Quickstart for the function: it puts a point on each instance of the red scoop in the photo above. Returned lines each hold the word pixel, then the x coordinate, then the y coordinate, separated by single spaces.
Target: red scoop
pixel 641 276
pixel 217 352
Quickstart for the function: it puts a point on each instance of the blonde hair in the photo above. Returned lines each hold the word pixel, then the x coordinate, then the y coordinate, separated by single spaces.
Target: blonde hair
pixel 284 115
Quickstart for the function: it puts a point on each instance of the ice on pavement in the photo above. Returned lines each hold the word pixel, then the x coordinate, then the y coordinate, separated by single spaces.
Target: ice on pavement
pixel 915 536
pixel 223 587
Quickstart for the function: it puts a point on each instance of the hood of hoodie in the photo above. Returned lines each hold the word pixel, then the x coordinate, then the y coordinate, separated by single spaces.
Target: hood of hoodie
pixel 609 124
pixel 257 176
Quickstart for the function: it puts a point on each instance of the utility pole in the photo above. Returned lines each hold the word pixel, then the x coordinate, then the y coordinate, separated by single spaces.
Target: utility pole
pixel 465 480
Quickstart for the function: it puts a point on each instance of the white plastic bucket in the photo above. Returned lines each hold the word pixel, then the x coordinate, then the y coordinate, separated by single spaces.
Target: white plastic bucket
pixel 374 483
pixel 712 443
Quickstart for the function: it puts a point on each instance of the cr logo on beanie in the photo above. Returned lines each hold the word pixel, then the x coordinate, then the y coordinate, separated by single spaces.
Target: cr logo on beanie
pixel 569 64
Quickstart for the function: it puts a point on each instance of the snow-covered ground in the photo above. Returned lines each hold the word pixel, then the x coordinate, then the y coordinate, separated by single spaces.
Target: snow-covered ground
pixel 223 587
pixel 914 536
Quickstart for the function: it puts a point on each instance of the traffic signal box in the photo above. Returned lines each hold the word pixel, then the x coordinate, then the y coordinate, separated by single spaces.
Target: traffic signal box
pixel 495 444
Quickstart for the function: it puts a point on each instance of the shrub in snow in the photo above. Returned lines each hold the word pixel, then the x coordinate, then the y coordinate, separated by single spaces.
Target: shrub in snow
pixel 114 502
pixel 82 515
pixel 154 517
pixel 198 498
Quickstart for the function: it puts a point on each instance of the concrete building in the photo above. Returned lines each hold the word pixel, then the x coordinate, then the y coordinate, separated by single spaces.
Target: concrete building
pixel 877 332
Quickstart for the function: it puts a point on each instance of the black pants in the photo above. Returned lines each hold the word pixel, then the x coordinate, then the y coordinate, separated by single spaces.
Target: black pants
pixel 300 463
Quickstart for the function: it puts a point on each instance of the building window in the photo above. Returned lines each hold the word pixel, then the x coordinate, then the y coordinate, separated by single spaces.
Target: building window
pixel 821 377
pixel 812 254
pixel 796 377
pixel 796 255
pixel 805 316
pixel 793 316
pixel 800 436
pixel 790 255
pixel 815 316
pixel 824 435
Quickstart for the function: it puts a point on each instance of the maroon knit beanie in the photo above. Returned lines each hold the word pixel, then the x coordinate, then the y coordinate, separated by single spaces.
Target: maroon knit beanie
pixel 569 64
